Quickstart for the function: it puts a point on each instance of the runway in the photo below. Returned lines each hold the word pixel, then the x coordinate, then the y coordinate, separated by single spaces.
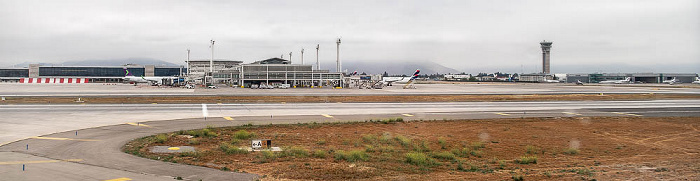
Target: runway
pixel 82 142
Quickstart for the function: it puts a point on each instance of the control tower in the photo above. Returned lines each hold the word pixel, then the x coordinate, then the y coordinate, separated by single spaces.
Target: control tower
pixel 546 46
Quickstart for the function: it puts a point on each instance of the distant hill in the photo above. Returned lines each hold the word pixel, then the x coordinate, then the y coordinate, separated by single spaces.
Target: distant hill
pixel 393 68
pixel 105 62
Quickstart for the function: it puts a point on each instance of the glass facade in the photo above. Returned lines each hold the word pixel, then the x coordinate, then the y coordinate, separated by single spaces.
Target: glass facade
pixel 90 71
pixel 14 72
pixel 168 72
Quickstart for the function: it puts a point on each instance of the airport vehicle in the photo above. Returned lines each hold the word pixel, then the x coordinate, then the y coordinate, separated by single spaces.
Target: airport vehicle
pixel 212 87
pixel 671 81
pixel 578 82
pixel 627 80
pixel 189 86
pixel 129 78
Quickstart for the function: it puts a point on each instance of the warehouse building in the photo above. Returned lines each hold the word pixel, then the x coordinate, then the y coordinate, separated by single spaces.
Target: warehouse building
pixel 94 74
pixel 635 77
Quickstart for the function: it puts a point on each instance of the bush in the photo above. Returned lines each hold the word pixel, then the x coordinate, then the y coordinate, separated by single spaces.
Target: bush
pixel 351 156
pixel 476 153
pixel 321 142
pixel 464 152
pixel 193 141
pixel 419 159
pixel 161 138
pixel 477 145
pixel 472 167
pixel 442 142
pixel 444 156
pixel 387 149
pixel 370 149
pixel 230 149
pixel 529 149
pixel 298 152
pixel 320 154
pixel 527 160
pixel 423 147
pixel 406 142
pixel 385 138
pixel 517 177
pixel 202 133
pixel 243 135
pixel 571 151
pixel 369 138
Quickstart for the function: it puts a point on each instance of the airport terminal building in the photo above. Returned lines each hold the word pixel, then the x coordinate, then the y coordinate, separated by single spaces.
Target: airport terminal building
pixel 269 72
pixel 635 77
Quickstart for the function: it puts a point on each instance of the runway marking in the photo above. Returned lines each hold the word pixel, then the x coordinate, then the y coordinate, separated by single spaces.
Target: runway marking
pixel 154 103
pixel 407 115
pixel 326 115
pixel 54 138
pixel 228 118
pixel 138 124
pixel 502 114
pixel 174 148
pixel 219 103
pixel 39 161
pixel 628 114
pixel 205 112
pixel 119 179
pixel 571 113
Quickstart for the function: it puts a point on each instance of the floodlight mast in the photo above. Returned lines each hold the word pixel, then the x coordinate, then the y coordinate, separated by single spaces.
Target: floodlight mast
pixel 318 66
pixel 302 56
pixel 211 60
pixel 188 62
pixel 290 57
pixel 337 58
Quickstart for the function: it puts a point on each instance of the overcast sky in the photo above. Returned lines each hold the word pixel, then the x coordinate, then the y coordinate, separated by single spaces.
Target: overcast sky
pixel 470 36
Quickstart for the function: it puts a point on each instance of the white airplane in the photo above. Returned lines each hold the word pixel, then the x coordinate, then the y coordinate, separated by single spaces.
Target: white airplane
pixel 627 80
pixel 390 80
pixel 551 81
pixel 129 78
pixel 672 81
pixel 697 80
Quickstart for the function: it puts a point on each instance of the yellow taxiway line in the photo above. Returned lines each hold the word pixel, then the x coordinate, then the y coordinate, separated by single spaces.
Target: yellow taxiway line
pixel 119 179
pixel 571 113
pixel 407 115
pixel 138 124
pixel 228 118
pixel 326 115
pixel 629 114
pixel 38 161
pixel 502 114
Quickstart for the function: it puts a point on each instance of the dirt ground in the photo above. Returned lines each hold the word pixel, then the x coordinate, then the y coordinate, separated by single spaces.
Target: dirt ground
pixel 568 148
pixel 364 98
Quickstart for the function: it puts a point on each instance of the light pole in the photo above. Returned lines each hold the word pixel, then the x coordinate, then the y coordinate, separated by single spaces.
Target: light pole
pixel 211 62
pixel 188 62
pixel 302 56
pixel 337 58
pixel 318 66
pixel 290 57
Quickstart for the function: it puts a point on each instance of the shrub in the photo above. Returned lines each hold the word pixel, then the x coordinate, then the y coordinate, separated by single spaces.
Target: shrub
pixel 472 167
pixel 385 138
pixel 477 145
pixel 527 160
pixel 517 178
pixel 370 149
pixel 529 149
pixel 571 151
pixel 444 155
pixel 351 156
pixel 387 149
pixel 464 152
pixel 476 153
pixel 161 138
pixel 193 141
pixel 202 133
pixel 294 151
pixel 230 149
pixel 243 135
pixel 442 142
pixel 423 147
pixel 319 154
pixel 419 159
pixel 369 138
pixel 406 142
pixel 268 154
pixel 235 141
pixel 321 142
pixel 189 154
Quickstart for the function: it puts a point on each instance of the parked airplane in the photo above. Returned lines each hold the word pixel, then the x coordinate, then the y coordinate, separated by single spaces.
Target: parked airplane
pixel 672 81
pixel 390 80
pixel 128 77
pixel 410 81
pixel 697 80
pixel 627 80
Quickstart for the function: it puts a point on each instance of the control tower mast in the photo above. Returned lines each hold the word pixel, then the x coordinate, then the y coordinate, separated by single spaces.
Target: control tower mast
pixel 546 46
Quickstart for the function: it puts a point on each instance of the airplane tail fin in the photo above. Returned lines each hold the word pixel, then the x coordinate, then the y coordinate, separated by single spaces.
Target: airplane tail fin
pixel 127 73
pixel 410 81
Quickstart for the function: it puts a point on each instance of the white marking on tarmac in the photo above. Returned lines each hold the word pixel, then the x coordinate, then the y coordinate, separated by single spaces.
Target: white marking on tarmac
pixel 53 138
pixel 628 114
pixel 571 113
pixel 502 114
pixel 40 161
pixel 205 112
pixel 119 179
